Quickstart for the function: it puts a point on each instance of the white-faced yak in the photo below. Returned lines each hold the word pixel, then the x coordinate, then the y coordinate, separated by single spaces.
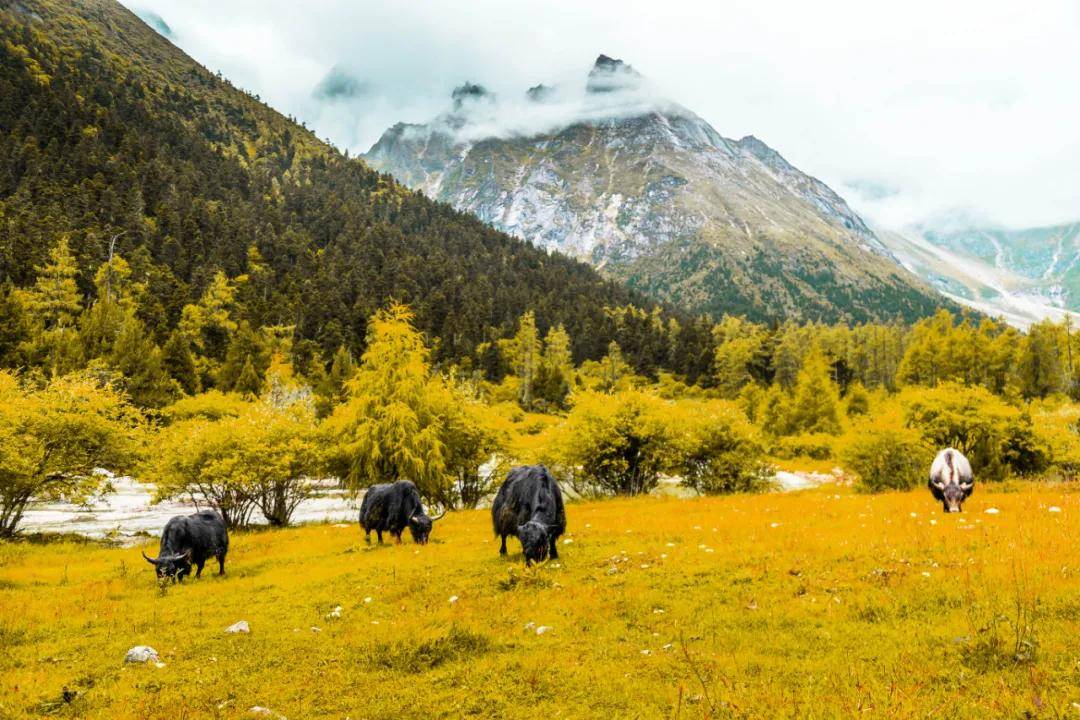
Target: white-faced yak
pixel 529 506
pixel 951 479
pixel 392 507
pixel 189 539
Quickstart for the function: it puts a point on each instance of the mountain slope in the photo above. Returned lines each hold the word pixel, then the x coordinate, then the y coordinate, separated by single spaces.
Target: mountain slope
pixel 1022 275
pixel 110 132
pixel 652 194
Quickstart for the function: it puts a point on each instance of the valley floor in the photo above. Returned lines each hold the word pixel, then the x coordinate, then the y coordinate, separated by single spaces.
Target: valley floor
pixel 822 603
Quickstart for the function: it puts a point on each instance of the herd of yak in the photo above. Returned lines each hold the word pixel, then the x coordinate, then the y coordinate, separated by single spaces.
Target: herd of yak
pixel 529 506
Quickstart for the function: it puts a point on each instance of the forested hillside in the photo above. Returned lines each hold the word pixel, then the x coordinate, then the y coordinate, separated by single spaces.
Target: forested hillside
pixel 113 141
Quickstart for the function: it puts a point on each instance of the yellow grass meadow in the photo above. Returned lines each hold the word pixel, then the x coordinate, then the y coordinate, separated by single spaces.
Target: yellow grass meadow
pixel 824 603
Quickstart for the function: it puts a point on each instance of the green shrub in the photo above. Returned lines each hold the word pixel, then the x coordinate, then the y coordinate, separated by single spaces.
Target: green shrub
pixel 816 446
pixel 716 449
pixel 996 437
pixel 887 458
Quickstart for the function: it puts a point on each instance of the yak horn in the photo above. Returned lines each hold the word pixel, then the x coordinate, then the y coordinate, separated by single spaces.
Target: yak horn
pixel 937 483
pixel 968 485
pixel 149 559
pixel 439 516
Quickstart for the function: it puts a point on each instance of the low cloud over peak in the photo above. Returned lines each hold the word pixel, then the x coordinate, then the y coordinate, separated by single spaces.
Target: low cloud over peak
pixel 964 104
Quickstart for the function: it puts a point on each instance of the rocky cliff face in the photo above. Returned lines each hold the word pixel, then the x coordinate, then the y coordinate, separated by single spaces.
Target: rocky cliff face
pixel 650 193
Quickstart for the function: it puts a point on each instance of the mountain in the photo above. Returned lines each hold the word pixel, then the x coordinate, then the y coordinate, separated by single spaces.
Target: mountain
pixel 110 134
pixel 651 194
pixel 1023 275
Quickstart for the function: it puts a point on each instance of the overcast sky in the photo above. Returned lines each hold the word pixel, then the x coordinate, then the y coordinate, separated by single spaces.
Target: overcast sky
pixel 911 110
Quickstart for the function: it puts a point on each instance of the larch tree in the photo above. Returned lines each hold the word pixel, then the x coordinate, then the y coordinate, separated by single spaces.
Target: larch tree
pixel 54 304
pixel 390 427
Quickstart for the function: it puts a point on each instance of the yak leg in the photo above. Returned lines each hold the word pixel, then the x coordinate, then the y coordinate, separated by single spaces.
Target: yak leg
pixel 554 550
pixel 378 533
pixel 221 563
pixel 502 550
pixel 367 536
pixel 397 537
pixel 198 568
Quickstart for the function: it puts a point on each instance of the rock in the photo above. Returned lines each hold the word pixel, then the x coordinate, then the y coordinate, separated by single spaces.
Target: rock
pixel 141 654
pixel 335 613
pixel 239 627
pixel 259 711
pixel 992 511
pixel 542 629
pixel 1054 509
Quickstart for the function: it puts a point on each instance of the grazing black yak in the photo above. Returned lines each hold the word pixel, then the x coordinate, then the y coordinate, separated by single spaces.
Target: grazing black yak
pixel 391 507
pixel 529 505
pixel 951 479
pixel 189 539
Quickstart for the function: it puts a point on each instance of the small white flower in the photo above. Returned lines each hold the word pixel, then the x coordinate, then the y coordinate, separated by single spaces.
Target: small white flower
pixel 925 574
pixel 567 541
pixel 992 511
pixel 542 629
pixel 453 599
pixel 1054 509
pixel 774 525
pixel 367 600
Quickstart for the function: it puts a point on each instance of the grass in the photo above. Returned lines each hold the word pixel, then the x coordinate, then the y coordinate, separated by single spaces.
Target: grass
pixel 822 604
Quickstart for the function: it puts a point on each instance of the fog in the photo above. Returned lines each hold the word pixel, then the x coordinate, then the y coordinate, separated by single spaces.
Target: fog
pixel 913 111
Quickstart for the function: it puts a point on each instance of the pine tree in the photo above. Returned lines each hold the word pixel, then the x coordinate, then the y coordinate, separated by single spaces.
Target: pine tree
pixel 179 364
pixel 248 381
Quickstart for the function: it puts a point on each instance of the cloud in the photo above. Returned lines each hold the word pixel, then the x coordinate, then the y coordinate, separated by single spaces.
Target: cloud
pixel 966 104
pixel 339 84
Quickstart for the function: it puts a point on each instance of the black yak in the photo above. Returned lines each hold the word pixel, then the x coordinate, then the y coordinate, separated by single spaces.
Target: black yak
pixel 951 479
pixel 392 507
pixel 529 505
pixel 189 539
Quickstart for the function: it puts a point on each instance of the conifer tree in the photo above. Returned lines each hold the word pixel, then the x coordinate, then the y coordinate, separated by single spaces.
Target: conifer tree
pixel 248 381
pixel 390 427
pixel 526 357
pixel 815 407
pixel 54 305
pixel 179 364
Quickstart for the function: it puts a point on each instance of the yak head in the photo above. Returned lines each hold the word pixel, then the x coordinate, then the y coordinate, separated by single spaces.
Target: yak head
pixel 952 498
pixel 174 566
pixel 952 495
pixel 534 541
pixel 420 528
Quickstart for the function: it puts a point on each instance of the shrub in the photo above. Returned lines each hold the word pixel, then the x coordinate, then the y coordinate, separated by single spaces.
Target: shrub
pixel 616 444
pixel 52 438
pixel 1059 430
pixel 997 438
pixel 716 450
pixel 262 458
pixel 887 457
pixel 816 446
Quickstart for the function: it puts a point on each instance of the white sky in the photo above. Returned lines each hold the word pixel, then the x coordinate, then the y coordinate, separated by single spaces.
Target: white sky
pixel 941 105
